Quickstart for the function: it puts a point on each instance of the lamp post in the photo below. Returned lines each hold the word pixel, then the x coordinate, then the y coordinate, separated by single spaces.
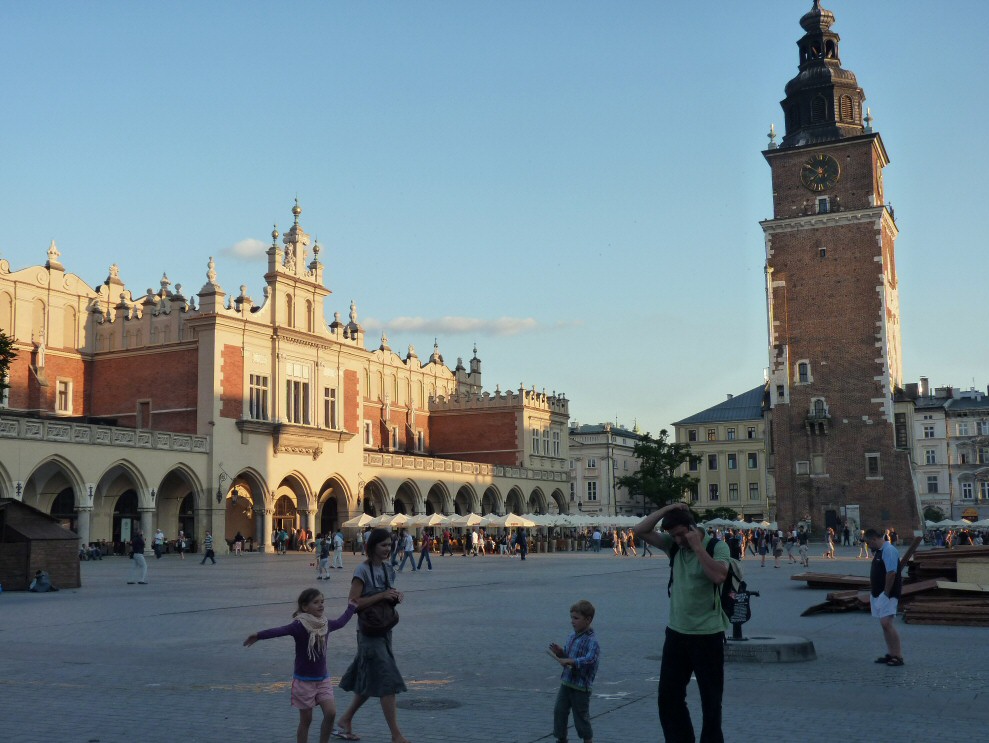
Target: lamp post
pixel 219 487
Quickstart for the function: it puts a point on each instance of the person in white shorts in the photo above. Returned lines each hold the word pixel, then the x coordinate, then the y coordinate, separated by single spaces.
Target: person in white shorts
pixel 886 583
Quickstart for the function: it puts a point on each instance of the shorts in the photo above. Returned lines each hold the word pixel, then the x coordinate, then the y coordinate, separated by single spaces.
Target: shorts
pixel 309 694
pixel 883 606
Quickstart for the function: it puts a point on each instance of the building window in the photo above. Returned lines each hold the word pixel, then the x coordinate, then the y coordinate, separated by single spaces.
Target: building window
pixel 257 408
pixel 932 483
pixel 780 393
pixel 822 252
pixel 289 314
pixel 420 441
pixel 753 460
pixel 694 464
pixel 817 464
pixel 872 466
pixel 803 467
pixel 983 454
pixel 535 441
pixel 573 493
pixel 546 449
pixel 394 437
pixel 368 433
pixel 967 491
pixel 803 372
pixel 982 428
pixel 592 463
pixel 712 434
pixel 750 432
pixel 733 492
pixel 5 394
pixel 984 490
pixel 592 490
pixel 712 461
pixel 823 207
pixel 930 456
pixel 753 491
pixel 962 428
pixel 731 434
pixel 694 495
pixel 63 396
pixel 928 432
pixel 692 434
pixel 732 462
pixel 712 492
pixel 330 408
pixel 556 443
pixel 820 408
pixel 297 400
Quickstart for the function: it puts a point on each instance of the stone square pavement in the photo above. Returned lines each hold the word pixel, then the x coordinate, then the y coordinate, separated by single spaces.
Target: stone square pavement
pixel 163 663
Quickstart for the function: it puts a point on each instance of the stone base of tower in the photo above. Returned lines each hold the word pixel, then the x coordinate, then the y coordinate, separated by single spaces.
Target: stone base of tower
pixel 825 480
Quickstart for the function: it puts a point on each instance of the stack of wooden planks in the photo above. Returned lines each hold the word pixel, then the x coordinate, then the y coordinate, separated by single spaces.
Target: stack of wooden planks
pixel 940 586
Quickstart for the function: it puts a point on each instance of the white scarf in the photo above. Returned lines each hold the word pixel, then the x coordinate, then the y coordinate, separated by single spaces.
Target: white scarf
pixel 318 629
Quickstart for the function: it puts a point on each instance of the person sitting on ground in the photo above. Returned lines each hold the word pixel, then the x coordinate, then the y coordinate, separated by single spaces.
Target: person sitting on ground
pixel 42 583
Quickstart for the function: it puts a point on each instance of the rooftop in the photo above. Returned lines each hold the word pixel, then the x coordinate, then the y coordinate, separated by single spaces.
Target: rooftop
pixel 743 407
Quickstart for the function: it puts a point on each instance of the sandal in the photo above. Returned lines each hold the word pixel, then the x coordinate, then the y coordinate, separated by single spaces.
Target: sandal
pixel 345 734
pixel 884 659
pixel 894 660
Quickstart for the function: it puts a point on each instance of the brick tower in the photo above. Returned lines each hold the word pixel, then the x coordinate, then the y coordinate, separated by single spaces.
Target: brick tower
pixel 834 318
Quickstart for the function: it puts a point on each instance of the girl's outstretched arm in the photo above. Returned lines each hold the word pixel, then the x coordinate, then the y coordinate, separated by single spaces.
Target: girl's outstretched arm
pixel 342 620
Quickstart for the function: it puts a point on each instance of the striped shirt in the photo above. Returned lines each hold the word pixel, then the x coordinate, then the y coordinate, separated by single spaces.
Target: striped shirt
pixel 208 542
pixel 585 651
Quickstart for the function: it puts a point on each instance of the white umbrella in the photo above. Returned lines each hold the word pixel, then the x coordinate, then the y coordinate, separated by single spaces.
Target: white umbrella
pixel 387 520
pixel 433 519
pixel 471 519
pixel 358 521
pixel 510 521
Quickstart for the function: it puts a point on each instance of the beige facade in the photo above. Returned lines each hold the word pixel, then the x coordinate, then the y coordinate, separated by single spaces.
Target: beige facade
pixel 729 441
pixel 600 455
pixel 224 412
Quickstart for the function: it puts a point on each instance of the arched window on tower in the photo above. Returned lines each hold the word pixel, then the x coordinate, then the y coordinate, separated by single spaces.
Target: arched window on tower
pixel 847 108
pixel 830 49
pixel 289 316
pixel 818 109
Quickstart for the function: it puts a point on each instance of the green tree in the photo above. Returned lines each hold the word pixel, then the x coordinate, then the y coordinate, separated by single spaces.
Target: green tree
pixel 721 512
pixel 7 355
pixel 657 481
pixel 933 513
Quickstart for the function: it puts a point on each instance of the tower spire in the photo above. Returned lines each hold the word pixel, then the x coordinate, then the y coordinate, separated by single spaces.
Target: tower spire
pixel 824 101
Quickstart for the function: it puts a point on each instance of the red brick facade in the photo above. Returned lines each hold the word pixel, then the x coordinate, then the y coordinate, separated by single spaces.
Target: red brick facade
pixel 165 379
pixel 835 342
pixel 351 402
pixel 490 436
pixel 231 382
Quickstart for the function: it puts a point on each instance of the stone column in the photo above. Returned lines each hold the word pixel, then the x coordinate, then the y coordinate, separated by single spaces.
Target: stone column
pixel 262 517
pixel 146 514
pixel 307 520
pixel 83 514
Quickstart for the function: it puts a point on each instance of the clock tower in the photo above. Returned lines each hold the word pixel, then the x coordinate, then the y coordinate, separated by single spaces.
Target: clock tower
pixel 833 307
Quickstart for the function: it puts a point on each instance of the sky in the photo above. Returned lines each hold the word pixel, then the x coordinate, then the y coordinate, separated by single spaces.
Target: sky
pixel 576 187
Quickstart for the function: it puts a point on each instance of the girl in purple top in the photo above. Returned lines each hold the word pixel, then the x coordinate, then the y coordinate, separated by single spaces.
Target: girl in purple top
pixel 311 684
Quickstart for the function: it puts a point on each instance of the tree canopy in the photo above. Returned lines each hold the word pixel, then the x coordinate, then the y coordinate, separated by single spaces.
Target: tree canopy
pixel 657 480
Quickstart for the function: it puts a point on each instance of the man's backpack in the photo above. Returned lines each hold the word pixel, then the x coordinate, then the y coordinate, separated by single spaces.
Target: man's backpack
pixel 725 593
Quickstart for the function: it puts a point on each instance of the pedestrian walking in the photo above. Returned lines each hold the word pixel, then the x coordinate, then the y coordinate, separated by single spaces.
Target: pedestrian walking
pixel 208 547
pixel 427 545
pixel 338 550
pixel 323 557
pixel 311 684
pixel 140 566
pixel 158 544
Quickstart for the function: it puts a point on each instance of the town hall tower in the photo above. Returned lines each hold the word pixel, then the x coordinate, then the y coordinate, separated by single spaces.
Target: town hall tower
pixel 833 308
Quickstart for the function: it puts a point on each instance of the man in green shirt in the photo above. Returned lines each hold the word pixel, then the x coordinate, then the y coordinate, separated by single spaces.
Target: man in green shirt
pixel 695 634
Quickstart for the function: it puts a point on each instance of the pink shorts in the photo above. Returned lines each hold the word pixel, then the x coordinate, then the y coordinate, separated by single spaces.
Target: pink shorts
pixel 309 694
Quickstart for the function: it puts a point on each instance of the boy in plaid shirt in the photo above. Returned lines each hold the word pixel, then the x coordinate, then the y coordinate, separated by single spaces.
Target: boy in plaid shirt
pixel 579 658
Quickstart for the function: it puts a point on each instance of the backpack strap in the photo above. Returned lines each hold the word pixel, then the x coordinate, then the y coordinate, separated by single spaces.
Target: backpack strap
pixel 674 548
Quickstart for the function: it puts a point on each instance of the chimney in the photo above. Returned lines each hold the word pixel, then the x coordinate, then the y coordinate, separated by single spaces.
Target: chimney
pixel 925 387
pixel 730 396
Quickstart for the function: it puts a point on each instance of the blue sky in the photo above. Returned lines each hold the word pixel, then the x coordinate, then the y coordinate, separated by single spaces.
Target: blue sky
pixel 574 186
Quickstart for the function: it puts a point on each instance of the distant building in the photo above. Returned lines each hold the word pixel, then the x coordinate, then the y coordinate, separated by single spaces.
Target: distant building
pixel 948 436
pixel 600 455
pixel 730 441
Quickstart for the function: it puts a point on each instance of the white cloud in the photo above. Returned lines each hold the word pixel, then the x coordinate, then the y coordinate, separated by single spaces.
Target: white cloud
pixel 454 325
pixel 246 250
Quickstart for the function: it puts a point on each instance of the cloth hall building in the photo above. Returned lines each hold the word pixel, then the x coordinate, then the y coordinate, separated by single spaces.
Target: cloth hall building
pixel 220 412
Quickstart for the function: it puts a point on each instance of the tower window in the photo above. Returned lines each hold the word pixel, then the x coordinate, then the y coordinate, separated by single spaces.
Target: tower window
pixel 818 109
pixel 803 372
pixel 847 108
pixel 822 252
pixel 823 205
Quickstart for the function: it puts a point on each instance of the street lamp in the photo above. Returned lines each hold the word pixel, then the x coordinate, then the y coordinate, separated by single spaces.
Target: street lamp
pixel 219 488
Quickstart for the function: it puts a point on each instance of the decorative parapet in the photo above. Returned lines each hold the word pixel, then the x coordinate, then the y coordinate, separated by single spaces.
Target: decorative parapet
pixel 32 429
pixel 432 464
pixel 465 400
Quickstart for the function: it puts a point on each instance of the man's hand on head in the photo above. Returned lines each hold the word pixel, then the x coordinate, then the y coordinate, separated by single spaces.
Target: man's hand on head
pixel 694 537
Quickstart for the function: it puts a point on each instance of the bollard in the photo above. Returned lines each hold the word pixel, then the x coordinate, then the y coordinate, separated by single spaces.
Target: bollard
pixel 742 612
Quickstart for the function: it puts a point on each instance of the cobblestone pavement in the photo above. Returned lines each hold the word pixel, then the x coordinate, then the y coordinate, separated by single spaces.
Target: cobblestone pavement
pixel 117 663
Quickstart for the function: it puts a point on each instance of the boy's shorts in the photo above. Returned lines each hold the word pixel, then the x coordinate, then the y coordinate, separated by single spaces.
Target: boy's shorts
pixel 309 694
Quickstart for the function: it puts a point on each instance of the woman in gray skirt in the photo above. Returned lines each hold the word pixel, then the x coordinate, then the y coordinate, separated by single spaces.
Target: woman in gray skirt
pixel 373 672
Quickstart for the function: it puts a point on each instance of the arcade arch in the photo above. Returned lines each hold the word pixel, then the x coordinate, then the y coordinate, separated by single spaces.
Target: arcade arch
pixel 466 501
pixel 514 502
pixel 438 500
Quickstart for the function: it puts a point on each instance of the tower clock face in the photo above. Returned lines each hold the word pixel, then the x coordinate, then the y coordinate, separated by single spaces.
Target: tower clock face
pixel 820 173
